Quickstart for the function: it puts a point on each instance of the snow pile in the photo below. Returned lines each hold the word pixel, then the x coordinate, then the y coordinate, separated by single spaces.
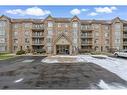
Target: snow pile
pixel 106 86
pixel 50 61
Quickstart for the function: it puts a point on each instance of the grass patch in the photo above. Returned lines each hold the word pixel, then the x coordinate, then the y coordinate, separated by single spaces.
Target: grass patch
pixel 5 56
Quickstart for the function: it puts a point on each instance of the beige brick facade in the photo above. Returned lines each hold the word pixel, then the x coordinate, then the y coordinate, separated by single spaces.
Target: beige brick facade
pixel 62 35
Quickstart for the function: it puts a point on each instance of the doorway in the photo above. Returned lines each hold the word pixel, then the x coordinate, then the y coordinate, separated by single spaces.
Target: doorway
pixel 62 49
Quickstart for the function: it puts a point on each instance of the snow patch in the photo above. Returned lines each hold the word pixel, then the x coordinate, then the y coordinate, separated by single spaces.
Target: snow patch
pixel 26 61
pixel 115 65
pixel 106 86
pixel 19 80
pixel 50 61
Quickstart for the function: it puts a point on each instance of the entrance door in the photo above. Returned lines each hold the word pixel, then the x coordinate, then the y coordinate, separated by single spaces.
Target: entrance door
pixel 62 49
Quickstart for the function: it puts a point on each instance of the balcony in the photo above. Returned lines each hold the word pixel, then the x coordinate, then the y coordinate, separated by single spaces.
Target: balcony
pixel 125 36
pixel 37 43
pixel 37 36
pixel 86 28
pixel 86 36
pixel 38 27
pixel 125 43
pixel 125 29
pixel 86 43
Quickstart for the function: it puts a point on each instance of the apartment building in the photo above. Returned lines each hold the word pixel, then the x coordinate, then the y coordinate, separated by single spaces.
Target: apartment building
pixel 62 35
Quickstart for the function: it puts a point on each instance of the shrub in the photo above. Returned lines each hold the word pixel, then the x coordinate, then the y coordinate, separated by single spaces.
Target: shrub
pixel 82 51
pixel 20 52
pixel 40 51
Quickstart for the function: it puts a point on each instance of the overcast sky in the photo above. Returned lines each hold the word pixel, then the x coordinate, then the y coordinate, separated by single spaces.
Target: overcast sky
pixel 83 12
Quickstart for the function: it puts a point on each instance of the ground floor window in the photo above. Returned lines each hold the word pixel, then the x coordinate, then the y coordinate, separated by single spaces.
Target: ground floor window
pixel 2 48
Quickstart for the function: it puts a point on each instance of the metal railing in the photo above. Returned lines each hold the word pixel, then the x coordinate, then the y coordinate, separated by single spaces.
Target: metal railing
pixel 86 27
pixel 86 36
pixel 38 27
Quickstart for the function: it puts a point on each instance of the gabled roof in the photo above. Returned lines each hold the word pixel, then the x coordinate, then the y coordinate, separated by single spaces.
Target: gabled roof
pixel 62 35
pixel 116 18
pixel 75 17
pixel 5 17
pixel 66 20
pixel 62 19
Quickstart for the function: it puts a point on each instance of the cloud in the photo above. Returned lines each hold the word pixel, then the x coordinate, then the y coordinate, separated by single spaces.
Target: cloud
pixel 84 10
pixel 77 11
pixel 93 14
pixel 99 10
pixel 34 11
pixel 105 9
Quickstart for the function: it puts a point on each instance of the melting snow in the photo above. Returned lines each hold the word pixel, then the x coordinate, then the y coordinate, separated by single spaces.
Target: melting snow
pixel 115 65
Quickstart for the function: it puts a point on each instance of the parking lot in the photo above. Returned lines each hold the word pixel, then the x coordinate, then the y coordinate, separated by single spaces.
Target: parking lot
pixel 30 72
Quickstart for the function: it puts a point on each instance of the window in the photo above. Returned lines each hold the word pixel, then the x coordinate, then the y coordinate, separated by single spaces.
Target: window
pixel 2 48
pixel 96 26
pixel 66 25
pixel 50 24
pixel 2 23
pixel 15 34
pixel 106 34
pixel 107 41
pixel 49 40
pixel 2 32
pixel 2 27
pixel 106 27
pixel 26 25
pixel 26 33
pixel 2 40
pixel 117 27
pixel 26 40
pixel 15 25
pixel 96 41
pixel 59 25
pixel 16 41
pixel 65 30
pixel 96 33
pixel 49 32
pixel 75 24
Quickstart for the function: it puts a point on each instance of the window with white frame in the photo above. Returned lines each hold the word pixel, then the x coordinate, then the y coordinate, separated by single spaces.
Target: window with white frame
pixel 2 40
pixel 26 25
pixel 15 33
pixel 16 26
pixel 96 26
pixel 106 34
pixel 49 32
pixel 26 33
pixel 2 27
pixel 59 25
pixel 2 48
pixel 50 24
pixel 75 24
